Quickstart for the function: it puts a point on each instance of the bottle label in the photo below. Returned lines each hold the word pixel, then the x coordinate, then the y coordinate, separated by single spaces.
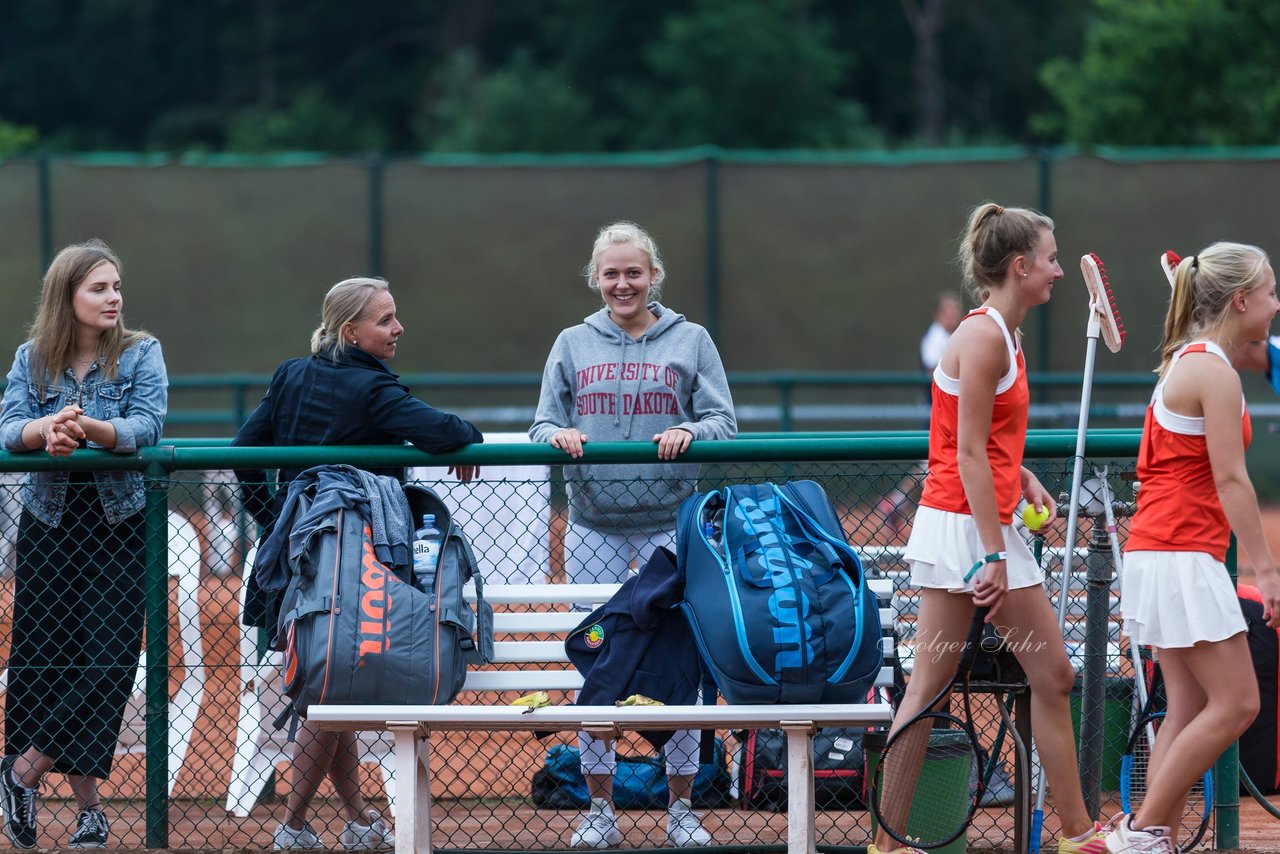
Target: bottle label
pixel 426 553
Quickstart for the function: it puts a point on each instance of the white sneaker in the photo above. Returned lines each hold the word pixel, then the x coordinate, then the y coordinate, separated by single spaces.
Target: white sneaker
pixel 289 839
pixel 598 827
pixel 684 828
pixel 374 836
pixel 1149 840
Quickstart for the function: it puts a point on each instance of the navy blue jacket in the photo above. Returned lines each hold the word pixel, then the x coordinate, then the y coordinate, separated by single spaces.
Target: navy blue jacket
pixel 332 399
pixel 639 643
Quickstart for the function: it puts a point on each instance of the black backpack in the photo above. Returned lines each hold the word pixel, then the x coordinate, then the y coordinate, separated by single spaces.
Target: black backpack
pixel 838 769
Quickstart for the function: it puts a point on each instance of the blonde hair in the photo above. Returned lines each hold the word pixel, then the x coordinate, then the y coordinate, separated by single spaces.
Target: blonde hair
pixel 344 303
pixel 1202 291
pixel 992 238
pixel 626 233
pixel 53 332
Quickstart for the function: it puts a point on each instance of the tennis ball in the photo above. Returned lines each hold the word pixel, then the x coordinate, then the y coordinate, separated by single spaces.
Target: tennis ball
pixel 1034 519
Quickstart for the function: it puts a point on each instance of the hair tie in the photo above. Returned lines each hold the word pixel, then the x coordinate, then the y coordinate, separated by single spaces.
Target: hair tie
pixel 1195 262
pixel 999 209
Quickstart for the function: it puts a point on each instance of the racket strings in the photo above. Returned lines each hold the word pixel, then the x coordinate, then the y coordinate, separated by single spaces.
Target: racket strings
pixel 924 793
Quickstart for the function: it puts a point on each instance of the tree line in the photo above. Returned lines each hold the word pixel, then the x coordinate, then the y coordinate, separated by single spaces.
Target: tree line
pixel 403 76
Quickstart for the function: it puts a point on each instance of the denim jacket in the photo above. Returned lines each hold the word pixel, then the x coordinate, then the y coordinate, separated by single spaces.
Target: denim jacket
pixel 134 402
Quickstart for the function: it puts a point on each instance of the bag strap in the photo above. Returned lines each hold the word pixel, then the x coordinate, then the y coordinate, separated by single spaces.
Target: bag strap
pixel 483 653
pixel 291 717
pixel 480 650
pixel 322 605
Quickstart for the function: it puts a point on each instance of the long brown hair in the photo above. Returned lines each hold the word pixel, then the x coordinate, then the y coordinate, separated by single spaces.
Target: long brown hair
pixel 53 332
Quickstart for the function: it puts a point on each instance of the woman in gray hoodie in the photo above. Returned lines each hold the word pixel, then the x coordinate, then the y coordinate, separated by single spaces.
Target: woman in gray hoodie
pixel 633 371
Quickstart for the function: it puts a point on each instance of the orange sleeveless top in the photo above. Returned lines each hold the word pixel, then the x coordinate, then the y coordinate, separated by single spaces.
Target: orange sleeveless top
pixel 942 487
pixel 1178 505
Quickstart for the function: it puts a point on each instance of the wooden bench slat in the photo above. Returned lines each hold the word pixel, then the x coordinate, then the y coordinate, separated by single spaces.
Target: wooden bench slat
pixel 562 622
pixel 572 717
pixel 536 622
pixel 523 681
pixel 569 679
pixel 541 652
pixel 552 594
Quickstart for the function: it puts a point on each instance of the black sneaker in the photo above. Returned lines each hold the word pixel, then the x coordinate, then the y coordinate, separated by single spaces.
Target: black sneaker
pixel 91 831
pixel 19 805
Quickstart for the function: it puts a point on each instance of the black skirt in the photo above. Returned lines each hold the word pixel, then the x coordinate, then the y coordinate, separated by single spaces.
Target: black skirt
pixel 77 633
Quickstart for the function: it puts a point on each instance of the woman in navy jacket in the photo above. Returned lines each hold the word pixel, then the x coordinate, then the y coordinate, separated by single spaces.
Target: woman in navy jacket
pixel 342 394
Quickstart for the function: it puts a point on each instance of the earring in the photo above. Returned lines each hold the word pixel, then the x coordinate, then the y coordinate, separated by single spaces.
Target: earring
pixel 1024 275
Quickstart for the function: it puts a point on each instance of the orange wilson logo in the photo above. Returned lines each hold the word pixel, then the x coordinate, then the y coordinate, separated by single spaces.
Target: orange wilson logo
pixel 375 602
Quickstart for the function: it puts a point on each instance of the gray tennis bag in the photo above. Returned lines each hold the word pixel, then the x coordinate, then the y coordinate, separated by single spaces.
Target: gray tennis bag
pixel 357 631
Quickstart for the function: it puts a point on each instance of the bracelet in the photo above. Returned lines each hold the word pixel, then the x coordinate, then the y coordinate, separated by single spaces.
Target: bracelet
pixel 991 558
pixel 44 423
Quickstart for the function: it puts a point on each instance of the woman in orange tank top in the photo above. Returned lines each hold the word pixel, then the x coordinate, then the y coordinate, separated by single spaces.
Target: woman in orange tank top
pixel 977 432
pixel 1176 593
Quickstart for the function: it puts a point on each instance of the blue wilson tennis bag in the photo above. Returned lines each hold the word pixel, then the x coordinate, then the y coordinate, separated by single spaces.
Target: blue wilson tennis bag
pixel 776 598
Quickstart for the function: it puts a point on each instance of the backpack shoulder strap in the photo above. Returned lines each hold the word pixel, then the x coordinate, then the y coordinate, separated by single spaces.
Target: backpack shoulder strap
pixel 481 650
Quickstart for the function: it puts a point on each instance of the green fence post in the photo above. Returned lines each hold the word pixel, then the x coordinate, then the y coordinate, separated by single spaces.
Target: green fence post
pixel 376 168
pixel 713 245
pixel 44 194
pixel 1044 174
pixel 1226 771
pixel 157 634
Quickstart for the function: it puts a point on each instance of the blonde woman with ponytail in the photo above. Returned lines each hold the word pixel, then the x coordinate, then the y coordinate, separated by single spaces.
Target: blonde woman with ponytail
pixel 342 394
pixel 977 432
pixel 1178 597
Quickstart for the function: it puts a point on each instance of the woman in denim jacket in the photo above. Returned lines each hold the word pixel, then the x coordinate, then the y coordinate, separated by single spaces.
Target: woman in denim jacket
pixel 83 380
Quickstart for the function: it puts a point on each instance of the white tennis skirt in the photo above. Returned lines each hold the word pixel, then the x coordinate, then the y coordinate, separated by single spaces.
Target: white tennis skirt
pixel 1172 600
pixel 944 546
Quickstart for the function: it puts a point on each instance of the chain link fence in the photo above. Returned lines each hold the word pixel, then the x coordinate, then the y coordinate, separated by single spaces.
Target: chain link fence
pixel 223 779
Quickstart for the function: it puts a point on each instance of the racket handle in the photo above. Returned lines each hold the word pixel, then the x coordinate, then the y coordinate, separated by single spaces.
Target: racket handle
pixel 1037 826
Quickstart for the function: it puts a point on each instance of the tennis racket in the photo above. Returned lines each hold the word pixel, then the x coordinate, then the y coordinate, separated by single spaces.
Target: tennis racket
pixel 1104 322
pixel 928 806
pixel 1135 767
pixel 1169 261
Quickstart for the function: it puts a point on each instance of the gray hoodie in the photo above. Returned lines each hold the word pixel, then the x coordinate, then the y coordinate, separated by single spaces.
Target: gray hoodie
pixel 615 389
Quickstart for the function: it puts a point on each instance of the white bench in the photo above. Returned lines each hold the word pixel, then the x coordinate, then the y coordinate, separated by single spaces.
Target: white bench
pixel 547 669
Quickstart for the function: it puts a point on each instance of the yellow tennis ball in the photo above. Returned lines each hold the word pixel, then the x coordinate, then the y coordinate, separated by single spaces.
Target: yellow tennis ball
pixel 1033 518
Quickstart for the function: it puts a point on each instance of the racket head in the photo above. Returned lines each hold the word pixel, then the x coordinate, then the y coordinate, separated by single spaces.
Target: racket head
pixel 1196 814
pixel 1169 261
pixel 933 767
pixel 1102 301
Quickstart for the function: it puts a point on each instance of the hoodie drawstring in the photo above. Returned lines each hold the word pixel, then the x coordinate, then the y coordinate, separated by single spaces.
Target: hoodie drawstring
pixel 635 401
pixel 623 340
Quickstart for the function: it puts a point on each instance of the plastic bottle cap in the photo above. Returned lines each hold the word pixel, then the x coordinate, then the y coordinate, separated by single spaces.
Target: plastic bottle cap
pixel 428 519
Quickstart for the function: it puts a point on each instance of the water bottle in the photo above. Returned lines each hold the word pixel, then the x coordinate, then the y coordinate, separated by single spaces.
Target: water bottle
pixel 426 547
pixel 711 530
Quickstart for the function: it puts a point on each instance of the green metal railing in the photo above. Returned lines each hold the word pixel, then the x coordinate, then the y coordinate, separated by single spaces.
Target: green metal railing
pixel 782 387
